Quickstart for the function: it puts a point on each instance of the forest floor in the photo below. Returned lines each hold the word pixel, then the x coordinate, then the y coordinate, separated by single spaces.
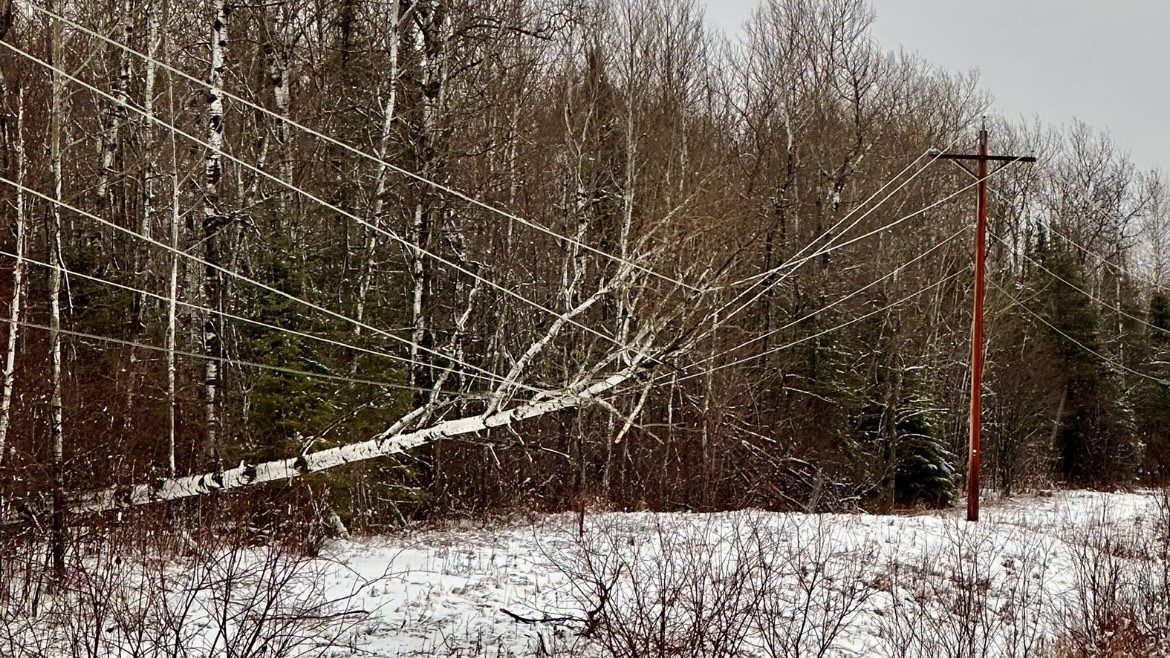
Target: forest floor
pixel 851 584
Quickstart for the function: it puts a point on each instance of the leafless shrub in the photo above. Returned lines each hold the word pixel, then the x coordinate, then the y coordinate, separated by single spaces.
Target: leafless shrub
pixel 955 602
pixel 1026 599
pixel 812 586
pixel 673 592
pixel 744 585
pixel 1118 604
pixel 142 593
pixel 1099 616
pixel 1153 612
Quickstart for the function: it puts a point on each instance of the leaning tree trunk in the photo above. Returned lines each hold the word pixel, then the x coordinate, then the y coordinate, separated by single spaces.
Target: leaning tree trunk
pixel 397 439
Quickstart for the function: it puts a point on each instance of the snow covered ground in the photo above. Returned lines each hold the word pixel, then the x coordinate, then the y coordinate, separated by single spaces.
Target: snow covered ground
pixel 1079 568
pixel 896 585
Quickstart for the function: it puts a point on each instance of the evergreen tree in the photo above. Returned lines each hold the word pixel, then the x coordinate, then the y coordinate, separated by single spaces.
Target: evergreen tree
pixel 1152 401
pixel 901 424
pixel 925 470
pixel 1093 443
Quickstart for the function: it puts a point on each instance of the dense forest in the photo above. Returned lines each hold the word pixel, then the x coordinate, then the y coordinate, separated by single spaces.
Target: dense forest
pixel 660 266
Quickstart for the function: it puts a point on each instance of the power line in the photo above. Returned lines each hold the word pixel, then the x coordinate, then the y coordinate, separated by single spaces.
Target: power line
pixel 1076 342
pixel 767 273
pixel 808 316
pixel 325 204
pixel 830 329
pixel 373 158
pixel 892 273
pixel 708 332
pixel 1088 294
pixel 1049 225
pixel 225 314
pixel 409 245
pixel 831 247
pixel 236 275
pixel 847 243
pixel 220 359
pixel 1101 259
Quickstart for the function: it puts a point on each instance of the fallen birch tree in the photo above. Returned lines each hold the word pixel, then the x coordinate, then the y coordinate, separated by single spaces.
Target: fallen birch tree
pixel 395 440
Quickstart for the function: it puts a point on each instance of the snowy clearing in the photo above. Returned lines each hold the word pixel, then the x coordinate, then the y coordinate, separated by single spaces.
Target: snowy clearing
pixel 444 593
pixel 1071 574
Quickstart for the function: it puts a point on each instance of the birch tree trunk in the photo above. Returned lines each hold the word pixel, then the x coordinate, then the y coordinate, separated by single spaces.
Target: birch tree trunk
pixel 17 280
pixel 432 44
pixel 213 221
pixel 56 428
pixel 173 289
pixel 149 182
pixel 419 272
pixel 377 206
pixel 395 440
pixel 117 113
pixel 278 73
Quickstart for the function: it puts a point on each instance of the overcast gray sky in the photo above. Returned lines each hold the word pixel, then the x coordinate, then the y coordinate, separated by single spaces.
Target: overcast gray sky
pixel 1106 62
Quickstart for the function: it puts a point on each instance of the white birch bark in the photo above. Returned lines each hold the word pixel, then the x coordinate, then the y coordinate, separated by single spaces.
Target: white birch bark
pixel 278 74
pixel 456 346
pixel 632 418
pixel 173 291
pixel 149 182
pixel 117 113
pixel 418 294
pixel 378 204
pixel 17 280
pixel 213 221
pixel 56 424
pixel 395 440
pixel 172 324
pixel 430 43
pixel 569 290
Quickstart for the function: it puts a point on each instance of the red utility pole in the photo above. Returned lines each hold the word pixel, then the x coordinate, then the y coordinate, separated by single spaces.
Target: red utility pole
pixel 973 449
pixel 977 333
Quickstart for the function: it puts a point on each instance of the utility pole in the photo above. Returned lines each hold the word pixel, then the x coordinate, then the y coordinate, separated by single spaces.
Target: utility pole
pixel 973 448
